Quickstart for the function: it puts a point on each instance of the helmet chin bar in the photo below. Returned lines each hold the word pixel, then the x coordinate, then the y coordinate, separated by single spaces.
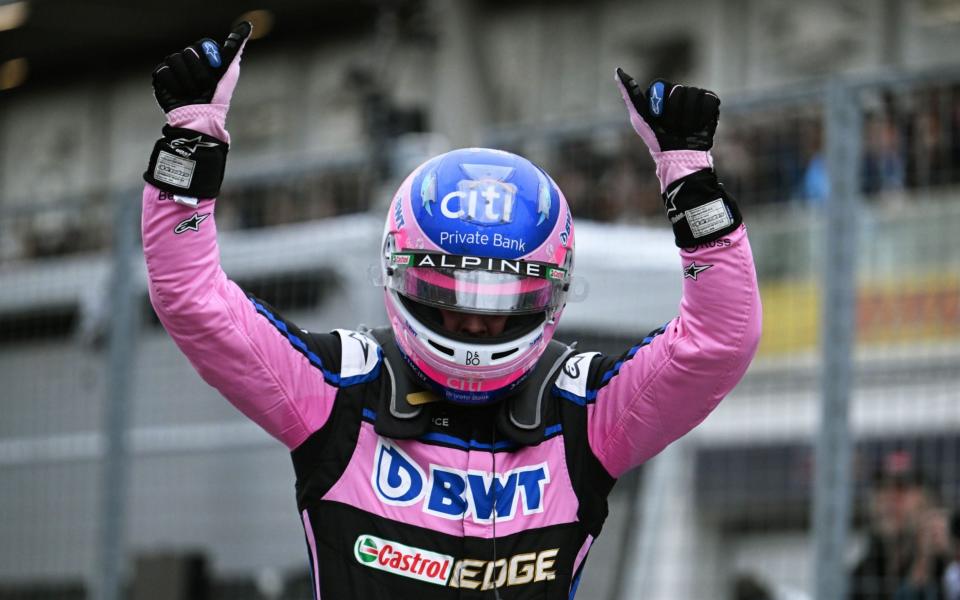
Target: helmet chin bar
pixel 517 326
pixel 466 359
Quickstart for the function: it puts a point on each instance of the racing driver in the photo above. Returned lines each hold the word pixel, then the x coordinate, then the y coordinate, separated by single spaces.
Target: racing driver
pixel 459 452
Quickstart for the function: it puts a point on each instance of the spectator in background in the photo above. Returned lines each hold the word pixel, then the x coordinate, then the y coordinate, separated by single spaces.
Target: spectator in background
pixel 951 576
pixel 749 587
pixel 926 576
pixel 576 175
pixel 630 191
pixel 777 160
pixel 954 135
pixel 739 163
pixel 902 508
pixel 927 161
pixel 883 154
pixel 814 185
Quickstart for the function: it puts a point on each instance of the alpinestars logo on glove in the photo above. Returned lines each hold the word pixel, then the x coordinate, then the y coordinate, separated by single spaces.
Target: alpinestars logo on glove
pixel 672 213
pixel 185 147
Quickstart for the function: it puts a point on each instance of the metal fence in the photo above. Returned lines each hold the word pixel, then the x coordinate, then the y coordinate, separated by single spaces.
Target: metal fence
pixel 843 436
pixel 116 461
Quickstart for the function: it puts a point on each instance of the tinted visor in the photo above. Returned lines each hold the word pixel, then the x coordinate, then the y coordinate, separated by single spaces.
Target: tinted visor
pixel 478 285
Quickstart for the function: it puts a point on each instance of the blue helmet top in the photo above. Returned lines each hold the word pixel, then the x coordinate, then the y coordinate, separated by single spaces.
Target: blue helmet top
pixel 482 202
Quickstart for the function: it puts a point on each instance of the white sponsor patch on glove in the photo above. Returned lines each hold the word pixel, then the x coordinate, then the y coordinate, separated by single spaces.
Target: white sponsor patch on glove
pixel 710 217
pixel 174 170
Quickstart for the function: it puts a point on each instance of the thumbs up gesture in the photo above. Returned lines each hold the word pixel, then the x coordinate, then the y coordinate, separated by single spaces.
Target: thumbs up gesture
pixel 669 116
pixel 203 73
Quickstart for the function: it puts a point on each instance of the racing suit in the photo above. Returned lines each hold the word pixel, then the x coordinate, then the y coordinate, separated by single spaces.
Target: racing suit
pixel 453 504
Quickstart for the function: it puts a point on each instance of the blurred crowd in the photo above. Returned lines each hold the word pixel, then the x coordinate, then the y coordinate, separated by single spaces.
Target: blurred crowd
pixel 912 547
pixel 311 197
pixel 778 158
pixel 910 141
pixel 910 537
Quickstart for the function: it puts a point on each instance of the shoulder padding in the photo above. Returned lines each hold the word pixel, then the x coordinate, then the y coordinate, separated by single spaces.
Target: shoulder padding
pixel 575 376
pixel 360 357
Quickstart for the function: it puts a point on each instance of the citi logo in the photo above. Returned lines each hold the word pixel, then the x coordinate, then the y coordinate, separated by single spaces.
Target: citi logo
pixel 449 493
pixel 486 201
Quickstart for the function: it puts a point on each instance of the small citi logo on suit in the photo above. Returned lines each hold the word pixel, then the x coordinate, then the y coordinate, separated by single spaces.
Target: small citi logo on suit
pixel 399 559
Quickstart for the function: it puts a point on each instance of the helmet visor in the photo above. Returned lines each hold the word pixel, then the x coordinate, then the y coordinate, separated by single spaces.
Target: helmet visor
pixel 477 285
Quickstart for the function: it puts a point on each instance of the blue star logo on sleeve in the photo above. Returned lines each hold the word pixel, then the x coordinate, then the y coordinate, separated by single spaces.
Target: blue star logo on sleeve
pixel 191 224
pixel 693 270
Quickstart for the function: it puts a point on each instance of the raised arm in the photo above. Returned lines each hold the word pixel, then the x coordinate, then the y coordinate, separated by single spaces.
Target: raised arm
pixel 670 381
pixel 266 367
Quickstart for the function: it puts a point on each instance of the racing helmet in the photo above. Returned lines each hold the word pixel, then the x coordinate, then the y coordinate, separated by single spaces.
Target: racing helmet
pixel 477 231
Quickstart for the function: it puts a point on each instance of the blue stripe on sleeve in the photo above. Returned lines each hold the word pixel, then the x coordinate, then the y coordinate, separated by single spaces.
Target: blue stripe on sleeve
pixel 298 343
pixel 591 395
pixel 575 398
pixel 364 377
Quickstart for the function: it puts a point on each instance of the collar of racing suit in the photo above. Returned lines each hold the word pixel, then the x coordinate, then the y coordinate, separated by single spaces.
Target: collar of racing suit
pixel 520 415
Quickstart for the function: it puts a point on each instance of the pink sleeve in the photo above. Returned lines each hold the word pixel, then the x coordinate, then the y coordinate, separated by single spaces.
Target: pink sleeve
pixel 241 352
pixel 669 383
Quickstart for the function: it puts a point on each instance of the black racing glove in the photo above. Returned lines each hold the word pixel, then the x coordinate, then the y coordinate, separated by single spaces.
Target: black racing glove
pixel 677 117
pixel 190 159
pixel 192 75
pixel 678 123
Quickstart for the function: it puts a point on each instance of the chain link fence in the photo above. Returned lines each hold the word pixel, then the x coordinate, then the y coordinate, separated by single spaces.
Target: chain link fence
pixel 735 500
pixel 118 464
